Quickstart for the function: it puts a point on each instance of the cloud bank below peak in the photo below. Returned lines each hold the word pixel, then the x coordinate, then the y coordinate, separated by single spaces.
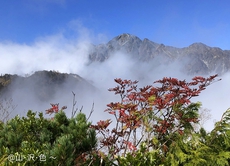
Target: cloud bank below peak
pixel 68 52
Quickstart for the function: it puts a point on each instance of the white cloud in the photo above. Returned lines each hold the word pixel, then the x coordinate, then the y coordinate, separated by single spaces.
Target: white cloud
pixel 60 53
pixel 216 99
pixel 52 53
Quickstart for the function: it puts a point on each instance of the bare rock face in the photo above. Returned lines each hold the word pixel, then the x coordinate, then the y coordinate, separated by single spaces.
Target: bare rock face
pixel 206 59
pixel 126 42
pixel 198 58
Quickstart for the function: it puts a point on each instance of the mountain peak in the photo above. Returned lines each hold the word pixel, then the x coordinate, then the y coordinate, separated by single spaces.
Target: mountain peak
pixel 198 45
pixel 126 38
pixel 126 35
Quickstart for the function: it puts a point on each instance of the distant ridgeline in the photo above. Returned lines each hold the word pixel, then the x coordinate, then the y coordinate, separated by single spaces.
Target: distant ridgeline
pixel 197 58
pixel 43 83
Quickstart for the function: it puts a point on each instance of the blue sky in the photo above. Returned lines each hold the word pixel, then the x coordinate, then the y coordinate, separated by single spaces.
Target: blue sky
pixel 55 35
pixel 176 23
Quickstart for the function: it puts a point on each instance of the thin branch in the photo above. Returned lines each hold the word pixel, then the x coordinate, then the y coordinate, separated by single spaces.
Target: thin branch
pixel 74 104
pixel 92 109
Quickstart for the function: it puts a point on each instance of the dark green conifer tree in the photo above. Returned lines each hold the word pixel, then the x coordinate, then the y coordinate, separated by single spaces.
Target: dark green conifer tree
pixel 60 140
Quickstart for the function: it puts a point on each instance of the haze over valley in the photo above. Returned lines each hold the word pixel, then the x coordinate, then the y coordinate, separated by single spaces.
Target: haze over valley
pixel 42 73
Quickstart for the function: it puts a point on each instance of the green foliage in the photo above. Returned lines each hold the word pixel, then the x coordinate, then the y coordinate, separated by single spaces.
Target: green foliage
pixel 60 140
pixel 203 148
pixel 154 126
pixel 142 157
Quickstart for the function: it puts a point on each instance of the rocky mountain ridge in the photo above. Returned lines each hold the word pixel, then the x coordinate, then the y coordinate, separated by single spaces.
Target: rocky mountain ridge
pixel 198 58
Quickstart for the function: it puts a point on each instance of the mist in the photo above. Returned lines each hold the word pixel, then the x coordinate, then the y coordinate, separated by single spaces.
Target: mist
pixel 65 55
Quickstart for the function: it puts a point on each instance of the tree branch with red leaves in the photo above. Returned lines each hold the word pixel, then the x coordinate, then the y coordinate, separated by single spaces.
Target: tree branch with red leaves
pixel 152 114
